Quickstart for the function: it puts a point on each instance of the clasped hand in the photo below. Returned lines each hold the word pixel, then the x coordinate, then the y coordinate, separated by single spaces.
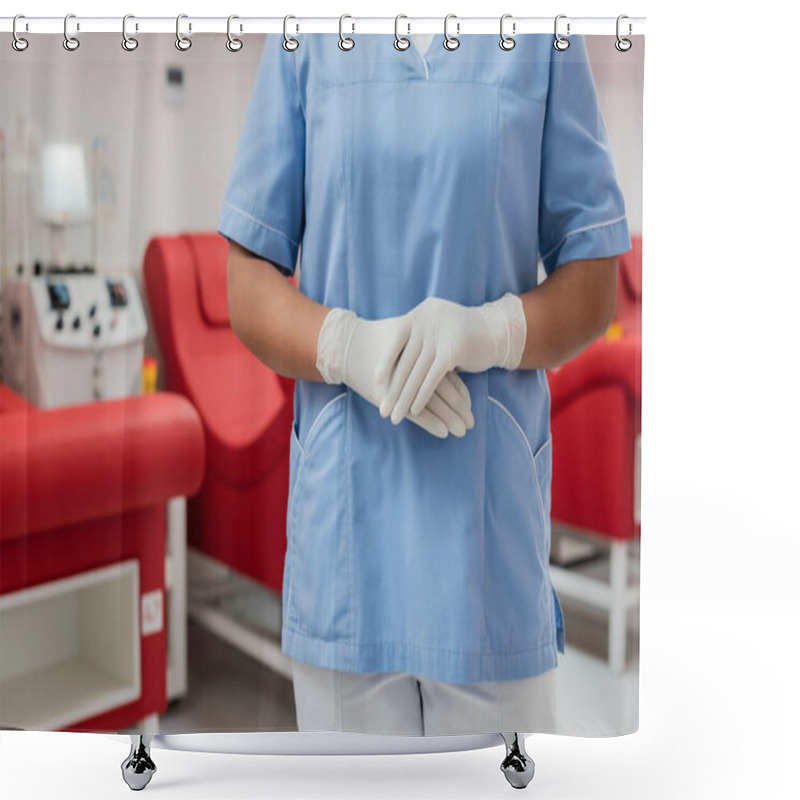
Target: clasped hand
pixel 348 350
pixel 444 336
pixel 406 365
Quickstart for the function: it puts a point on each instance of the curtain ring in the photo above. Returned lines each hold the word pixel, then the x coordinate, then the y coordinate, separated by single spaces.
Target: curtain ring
pixel 129 43
pixel 233 44
pixel 561 43
pixel 70 42
pixel 623 45
pixel 506 42
pixel 181 41
pixel 345 42
pixel 451 42
pixel 18 43
pixel 289 43
pixel 400 42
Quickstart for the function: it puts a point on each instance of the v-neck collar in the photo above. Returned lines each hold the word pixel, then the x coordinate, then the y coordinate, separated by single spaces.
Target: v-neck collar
pixel 424 57
pixel 415 41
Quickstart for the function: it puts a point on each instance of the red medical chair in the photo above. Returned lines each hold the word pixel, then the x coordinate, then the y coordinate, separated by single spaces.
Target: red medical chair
pixel 239 516
pixel 596 426
pixel 83 491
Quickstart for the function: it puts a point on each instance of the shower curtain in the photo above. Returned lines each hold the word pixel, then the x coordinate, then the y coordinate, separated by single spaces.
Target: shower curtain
pixel 215 518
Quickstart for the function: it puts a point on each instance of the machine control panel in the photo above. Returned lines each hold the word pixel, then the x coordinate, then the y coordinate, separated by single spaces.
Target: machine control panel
pixel 71 338
pixel 88 310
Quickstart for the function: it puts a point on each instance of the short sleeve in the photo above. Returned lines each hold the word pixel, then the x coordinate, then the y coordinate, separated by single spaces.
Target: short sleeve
pixel 581 207
pixel 263 209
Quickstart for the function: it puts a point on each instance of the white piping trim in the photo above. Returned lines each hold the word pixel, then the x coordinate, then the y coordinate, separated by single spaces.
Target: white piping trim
pixel 519 428
pixel 319 416
pixel 581 230
pixel 262 224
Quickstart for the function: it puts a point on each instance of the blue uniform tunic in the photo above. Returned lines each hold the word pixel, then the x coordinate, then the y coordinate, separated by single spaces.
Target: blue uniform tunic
pixel 406 176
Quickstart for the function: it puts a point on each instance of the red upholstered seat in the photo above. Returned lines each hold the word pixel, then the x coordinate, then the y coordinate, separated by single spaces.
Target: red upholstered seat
pixel 596 417
pixel 239 516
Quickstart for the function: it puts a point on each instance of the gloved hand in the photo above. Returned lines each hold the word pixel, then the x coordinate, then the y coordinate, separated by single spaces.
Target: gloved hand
pixel 348 350
pixel 446 336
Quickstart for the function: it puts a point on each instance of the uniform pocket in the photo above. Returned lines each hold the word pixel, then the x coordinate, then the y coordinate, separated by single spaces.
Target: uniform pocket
pixel 526 475
pixel 517 529
pixel 319 539
pixel 543 464
pixel 295 457
pixel 543 468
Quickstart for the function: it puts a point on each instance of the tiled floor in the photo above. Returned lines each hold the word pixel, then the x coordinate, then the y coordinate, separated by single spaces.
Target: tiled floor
pixel 229 691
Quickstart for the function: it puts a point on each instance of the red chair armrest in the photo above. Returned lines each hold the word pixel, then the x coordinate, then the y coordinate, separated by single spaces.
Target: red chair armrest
pixel 64 465
pixel 11 402
pixel 604 362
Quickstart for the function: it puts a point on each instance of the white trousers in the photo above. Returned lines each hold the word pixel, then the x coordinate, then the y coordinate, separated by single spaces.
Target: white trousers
pixel 404 704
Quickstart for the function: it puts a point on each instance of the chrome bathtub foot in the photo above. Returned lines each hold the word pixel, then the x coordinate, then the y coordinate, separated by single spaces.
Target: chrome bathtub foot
pixel 138 768
pixel 517 766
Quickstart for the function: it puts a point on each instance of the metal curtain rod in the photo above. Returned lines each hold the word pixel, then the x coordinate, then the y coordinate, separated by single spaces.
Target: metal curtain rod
pixel 632 26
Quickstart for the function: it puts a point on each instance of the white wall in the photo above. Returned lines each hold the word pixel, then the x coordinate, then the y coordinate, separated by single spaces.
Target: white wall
pixel 619 78
pixel 171 160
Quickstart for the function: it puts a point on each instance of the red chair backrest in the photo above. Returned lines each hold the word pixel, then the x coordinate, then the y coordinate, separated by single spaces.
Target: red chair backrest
pixel 629 288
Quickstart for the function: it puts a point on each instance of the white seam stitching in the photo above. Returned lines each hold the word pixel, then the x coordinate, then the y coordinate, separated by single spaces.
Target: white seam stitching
pixel 538 101
pixel 305 634
pixel 581 230
pixel 299 94
pixel 262 224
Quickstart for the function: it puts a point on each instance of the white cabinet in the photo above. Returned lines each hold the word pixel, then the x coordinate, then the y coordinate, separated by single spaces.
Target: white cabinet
pixel 70 648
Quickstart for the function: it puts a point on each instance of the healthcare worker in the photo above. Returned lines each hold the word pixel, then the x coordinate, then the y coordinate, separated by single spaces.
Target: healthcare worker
pixel 423 185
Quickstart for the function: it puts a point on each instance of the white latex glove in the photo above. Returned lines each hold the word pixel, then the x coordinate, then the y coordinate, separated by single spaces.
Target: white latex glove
pixel 348 350
pixel 446 336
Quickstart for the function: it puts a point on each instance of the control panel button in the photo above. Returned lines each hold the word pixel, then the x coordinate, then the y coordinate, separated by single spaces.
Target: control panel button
pixel 117 293
pixel 59 295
